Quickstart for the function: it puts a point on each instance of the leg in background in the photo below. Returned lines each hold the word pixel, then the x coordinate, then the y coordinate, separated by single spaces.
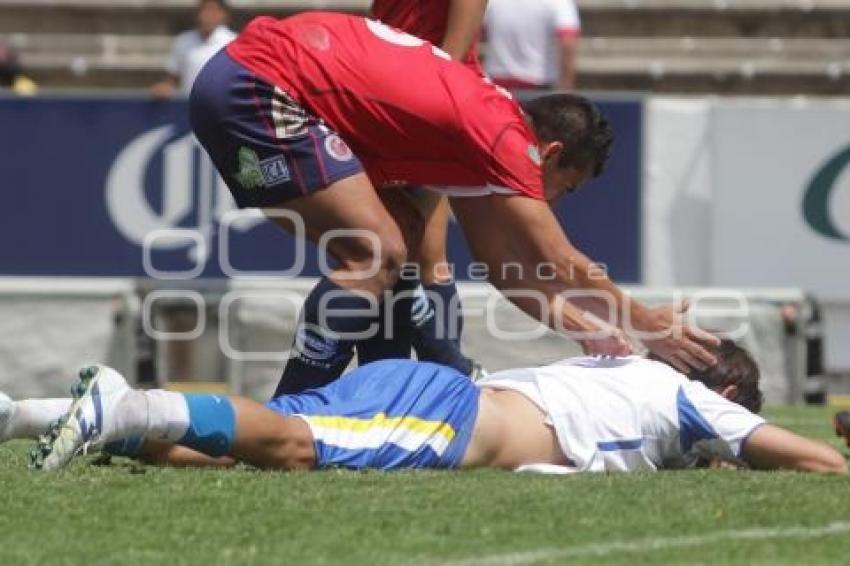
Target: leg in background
pixel 394 339
pixel 410 207
pixel 344 305
pixel 437 313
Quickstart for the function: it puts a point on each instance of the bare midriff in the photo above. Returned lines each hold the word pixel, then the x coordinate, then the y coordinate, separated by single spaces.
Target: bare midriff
pixel 511 431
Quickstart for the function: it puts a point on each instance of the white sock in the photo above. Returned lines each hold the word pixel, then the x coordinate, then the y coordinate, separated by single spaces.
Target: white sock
pixel 31 417
pixel 168 415
pixel 154 414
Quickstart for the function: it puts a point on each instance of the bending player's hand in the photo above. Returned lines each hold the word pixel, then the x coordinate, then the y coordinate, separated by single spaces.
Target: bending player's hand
pixel 614 344
pixel 667 335
pixel 596 337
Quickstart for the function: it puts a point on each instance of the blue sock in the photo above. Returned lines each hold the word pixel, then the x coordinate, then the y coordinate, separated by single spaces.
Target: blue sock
pixel 437 327
pixel 212 425
pixel 319 355
pixel 391 342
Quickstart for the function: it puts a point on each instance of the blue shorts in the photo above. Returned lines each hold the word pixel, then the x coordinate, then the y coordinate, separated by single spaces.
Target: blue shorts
pixel 267 147
pixel 388 415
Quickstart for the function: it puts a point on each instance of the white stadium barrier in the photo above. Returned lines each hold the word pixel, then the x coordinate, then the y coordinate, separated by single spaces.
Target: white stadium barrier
pixel 256 320
pixel 51 327
pixel 238 332
pixel 728 201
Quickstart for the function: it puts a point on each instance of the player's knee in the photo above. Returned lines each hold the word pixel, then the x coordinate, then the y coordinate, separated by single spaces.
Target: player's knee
pixel 293 448
pixel 294 455
pixel 393 257
pixel 381 256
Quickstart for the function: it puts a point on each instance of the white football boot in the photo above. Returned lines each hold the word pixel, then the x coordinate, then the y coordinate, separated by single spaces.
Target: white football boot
pixel 86 425
pixel 7 409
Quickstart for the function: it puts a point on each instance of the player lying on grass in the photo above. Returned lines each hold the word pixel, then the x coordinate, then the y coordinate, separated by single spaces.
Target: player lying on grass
pixel 581 414
pixel 306 116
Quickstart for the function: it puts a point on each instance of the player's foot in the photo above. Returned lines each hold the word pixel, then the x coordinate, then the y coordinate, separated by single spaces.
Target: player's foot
pixel 86 425
pixel 7 410
pixel 841 421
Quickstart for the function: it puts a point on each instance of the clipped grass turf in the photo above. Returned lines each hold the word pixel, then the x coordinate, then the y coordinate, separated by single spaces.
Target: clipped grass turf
pixel 125 514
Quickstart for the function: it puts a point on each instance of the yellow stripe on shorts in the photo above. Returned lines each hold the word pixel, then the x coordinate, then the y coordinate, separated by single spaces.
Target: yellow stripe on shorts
pixel 408 432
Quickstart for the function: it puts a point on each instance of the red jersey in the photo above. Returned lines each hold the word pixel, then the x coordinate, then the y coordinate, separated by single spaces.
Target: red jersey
pixel 427 19
pixel 410 114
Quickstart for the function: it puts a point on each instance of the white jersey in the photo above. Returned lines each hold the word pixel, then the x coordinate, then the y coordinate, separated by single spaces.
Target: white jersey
pixel 631 414
pixel 191 52
pixel 523 39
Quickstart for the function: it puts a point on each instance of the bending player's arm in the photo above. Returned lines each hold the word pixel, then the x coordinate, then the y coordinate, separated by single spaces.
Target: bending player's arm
pixel 568 45
pixel 770 447
pixel 463 26
pixel 519 231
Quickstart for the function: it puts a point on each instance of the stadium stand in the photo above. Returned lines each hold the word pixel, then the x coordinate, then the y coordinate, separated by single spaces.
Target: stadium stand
pixel 692 46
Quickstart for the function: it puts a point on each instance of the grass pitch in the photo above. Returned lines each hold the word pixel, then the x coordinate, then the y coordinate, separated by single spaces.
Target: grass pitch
pixel 125 514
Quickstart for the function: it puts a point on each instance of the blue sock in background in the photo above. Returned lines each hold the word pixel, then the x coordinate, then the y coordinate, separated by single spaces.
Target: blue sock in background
pixel 318 355
pixel 391 342
pixel 432 327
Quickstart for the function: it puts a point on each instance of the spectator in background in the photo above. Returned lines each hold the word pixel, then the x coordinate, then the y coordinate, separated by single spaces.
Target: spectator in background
pixel 193 48
pixel 11 74
pixel 532 44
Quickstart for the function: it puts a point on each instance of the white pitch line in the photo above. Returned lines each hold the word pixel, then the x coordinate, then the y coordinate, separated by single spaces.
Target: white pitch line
pixel 653 544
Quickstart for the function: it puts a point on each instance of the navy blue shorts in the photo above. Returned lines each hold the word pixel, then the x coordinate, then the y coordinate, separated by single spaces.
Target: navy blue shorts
pixel 388 415
pixel 268 148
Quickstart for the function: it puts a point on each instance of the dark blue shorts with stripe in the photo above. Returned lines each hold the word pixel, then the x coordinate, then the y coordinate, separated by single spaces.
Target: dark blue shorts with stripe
pixel 267 147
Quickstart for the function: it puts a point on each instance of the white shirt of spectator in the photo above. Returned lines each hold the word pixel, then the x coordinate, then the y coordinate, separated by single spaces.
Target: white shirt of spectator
pixel 523 39
pixel 631 414
pixel 191 52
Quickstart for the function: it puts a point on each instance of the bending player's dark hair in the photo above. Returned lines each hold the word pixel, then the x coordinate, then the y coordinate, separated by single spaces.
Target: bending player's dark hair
pixel 575 122
pixel 735 366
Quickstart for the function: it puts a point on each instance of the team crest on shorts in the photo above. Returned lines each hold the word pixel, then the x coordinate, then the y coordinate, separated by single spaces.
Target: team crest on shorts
pixel 255 174
pixel 337 148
